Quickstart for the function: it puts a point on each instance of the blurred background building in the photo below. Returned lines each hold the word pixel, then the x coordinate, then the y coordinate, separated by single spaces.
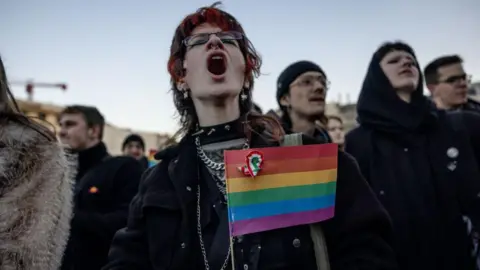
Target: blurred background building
pixel 474 91
pixel 113 135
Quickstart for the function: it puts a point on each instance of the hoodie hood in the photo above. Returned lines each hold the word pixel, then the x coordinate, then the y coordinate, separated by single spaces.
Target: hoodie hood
pixel 380 108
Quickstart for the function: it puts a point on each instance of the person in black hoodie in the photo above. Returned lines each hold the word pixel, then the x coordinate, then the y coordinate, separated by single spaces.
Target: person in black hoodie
pixel 419 164
pixel 179 218
pixel 134 146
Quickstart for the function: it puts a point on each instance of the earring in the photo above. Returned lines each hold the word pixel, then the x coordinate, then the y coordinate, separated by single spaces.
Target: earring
pixel 185 94
pixel 243 96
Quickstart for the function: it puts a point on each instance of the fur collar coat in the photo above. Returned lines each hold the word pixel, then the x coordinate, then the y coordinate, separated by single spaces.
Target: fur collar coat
pixel 35 199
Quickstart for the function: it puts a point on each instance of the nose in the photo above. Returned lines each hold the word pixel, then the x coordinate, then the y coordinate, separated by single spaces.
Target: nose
pixel 463 82
pixel 319 87
pixel 62 132
pixel 214 42
pixel 407 62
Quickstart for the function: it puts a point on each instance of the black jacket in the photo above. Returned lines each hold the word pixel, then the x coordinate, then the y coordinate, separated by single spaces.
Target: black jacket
pixel 104 188
pixel 421 164
pixel 161 232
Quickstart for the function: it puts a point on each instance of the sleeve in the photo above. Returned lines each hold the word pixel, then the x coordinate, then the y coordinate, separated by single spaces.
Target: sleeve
pixel 472 123
pixel 359 236
pixel 125 186
pixel 129 248
pixel 469 189
pixel 358 150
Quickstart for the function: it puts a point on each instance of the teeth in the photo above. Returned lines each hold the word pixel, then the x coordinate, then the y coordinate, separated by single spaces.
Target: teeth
pixel 217 57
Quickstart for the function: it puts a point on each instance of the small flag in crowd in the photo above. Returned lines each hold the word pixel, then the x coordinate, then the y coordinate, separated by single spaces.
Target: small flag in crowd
pixel 151 158
pixel 295 185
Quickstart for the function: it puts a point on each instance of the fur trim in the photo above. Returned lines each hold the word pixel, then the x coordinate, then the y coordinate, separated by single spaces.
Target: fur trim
pixel 36 194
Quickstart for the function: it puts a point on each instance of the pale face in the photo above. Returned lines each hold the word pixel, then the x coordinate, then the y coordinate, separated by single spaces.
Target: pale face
pixel 452 86
pixel 401 70
pixel 215 66
pixel 134 149
pixel 307 94
pixel 335 130
pixel 75 132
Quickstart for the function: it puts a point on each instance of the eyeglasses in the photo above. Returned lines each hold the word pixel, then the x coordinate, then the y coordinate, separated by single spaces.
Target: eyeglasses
pixel 308 81
pixel 457 78
pixel 228 37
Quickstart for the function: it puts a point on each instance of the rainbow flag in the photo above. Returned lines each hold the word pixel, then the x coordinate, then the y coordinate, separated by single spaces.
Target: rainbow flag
pixel 291 186
pixel 151 158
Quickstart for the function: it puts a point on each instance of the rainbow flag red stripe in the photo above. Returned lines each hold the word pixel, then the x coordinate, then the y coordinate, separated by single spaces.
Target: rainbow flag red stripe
pixel 296 185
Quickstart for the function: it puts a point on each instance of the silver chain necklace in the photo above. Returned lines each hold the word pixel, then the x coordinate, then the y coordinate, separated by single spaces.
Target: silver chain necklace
pixel 200 236
pixel 217 167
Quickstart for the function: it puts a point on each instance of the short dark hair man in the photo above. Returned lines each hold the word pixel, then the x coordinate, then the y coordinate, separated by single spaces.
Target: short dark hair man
pixel 448 83
pixel 103 190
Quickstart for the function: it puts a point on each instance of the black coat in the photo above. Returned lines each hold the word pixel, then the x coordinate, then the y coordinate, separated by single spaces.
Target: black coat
pixel 421 164
pixel 105 186
pixel 161 232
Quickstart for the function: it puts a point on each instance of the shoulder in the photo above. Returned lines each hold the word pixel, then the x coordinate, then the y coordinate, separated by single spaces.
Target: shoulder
pixel 31 150
pixel 471 117
pixel 167 153
pixel 156 178
pixel 30 157
pixel 124 161
pixel 347 162
pixel 355 133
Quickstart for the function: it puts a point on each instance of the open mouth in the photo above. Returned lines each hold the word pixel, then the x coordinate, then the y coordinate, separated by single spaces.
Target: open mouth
pixel 406 72
pixel 317 99
pixel 217 64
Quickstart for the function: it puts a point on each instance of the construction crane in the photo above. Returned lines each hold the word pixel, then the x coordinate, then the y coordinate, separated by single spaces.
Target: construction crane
pixel 30 86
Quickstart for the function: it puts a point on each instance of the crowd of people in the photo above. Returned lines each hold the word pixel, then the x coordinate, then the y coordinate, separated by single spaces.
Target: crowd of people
pixel 408 176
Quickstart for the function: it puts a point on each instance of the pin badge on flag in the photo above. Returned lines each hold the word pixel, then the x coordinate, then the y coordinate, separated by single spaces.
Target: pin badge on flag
pixel 280 187
pixel 254 162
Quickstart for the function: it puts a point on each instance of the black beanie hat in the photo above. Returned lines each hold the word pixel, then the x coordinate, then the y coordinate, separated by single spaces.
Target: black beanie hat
pixel 291 73
pixel 134 138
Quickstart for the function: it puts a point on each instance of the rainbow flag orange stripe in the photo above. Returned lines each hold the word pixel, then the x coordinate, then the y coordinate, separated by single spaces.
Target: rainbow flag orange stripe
pixel 296 185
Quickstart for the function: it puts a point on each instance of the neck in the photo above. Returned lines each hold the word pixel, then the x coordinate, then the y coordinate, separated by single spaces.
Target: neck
pixel 91 155
pixel 405 96
pixel 302 124
pixel 211 114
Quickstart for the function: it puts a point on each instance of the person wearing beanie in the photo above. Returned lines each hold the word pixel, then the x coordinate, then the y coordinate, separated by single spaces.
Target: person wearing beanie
pixel 301 93
pixel 134 146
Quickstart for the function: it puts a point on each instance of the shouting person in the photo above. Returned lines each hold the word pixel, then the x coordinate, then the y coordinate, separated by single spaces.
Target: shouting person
pixel 104 187
pixel 179 219
pixel 421 167
pixel 35 190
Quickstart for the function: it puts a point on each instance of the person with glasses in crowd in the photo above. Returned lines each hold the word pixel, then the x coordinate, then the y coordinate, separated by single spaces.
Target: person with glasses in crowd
pixel 178 220
pixel 448 84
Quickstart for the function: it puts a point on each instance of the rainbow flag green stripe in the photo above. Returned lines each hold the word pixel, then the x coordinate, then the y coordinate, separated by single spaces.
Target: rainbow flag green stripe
pixel 278 194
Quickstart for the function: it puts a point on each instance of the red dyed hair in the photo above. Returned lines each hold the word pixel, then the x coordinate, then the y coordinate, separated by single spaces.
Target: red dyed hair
pixel 223 20
pixel 185 107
